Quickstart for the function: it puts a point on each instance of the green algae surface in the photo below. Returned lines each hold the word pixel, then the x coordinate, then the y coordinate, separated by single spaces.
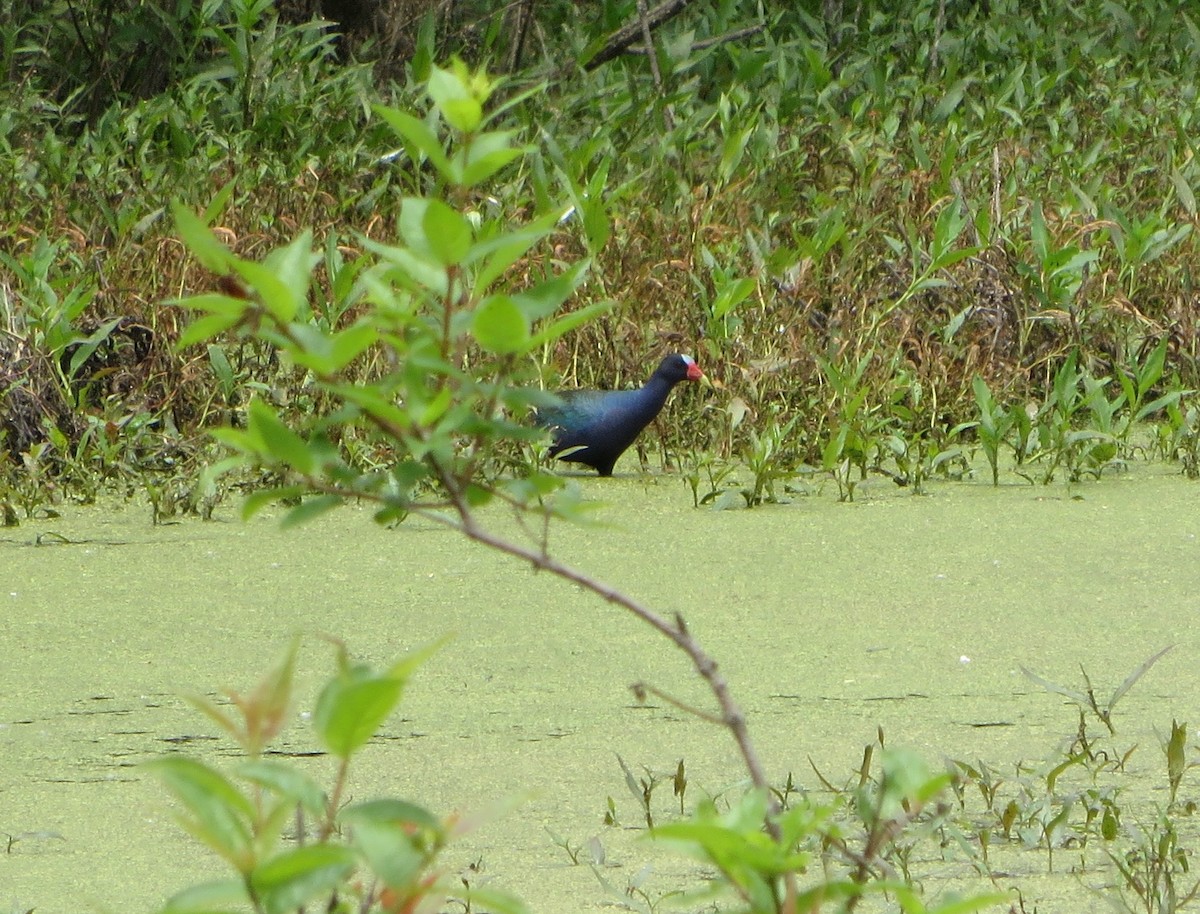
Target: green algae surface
pixel 831 621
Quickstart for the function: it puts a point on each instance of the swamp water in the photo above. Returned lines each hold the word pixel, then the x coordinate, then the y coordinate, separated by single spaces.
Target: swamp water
pixel 830 620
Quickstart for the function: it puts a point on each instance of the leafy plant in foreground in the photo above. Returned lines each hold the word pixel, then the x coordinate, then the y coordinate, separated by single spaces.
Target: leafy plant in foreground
pixel 436 308
pixel 378 855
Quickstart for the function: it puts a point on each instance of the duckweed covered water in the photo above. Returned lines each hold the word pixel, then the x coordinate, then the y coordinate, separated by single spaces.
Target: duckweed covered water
pixel 910 614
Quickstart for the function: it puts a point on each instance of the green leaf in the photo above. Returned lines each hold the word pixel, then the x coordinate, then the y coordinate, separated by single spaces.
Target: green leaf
pixel 419 137
pixel 348 344
pixel 395 837
pixel 207 327
pixel 277 440
pixel 256 501
pixel 495 901
pixel 1183 190
pixel 426 46
pixel 222 896
pixel 374 402
pixel 416 266
pixel 309 509
pixel 293 265
pixel 293 878
pixel 500 326
pixel 971 903
pixel 200 240
pixel 276 295
pixel 447 233
pixel 350 710
pixel 731 294
pixel 218 814
pixel 408 664
pixel 219 362
pixel 546 296
pixel 455 99
pixel 504 250
pixel 86 348
pixel 568 322
pixel 481 167
pixel 220 200
pixel 952 98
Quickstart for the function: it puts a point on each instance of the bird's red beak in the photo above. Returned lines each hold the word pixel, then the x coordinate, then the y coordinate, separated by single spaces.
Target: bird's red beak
pixel 694 372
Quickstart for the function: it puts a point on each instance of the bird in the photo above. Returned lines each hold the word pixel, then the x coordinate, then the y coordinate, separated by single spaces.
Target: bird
pixel 595 427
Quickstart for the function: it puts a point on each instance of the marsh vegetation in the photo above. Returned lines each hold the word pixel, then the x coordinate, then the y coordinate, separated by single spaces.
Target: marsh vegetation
pixel 907 245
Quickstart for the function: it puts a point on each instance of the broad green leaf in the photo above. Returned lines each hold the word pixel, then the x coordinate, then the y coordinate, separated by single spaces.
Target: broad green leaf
pixel 417 135
pixel 437 407
pixel 488 153
pixel 494 901
pixel 310 508
pixel 218 814
pixel 293 265
pixel 392 835
pixel 216 303
pixel 276 295
pixel 480 168
pixel 277 440
pixel 393 811
pixel 455 99
pixel 310 347
pixel 412 223
pixel 376 403
pixel 503 251
pixel 222 896
pixel 568 322
pixel 950 101
pixel 447 234
pixel 348 344
pixel 418 270
pixel 1168 399
pixel 200 240
pixel 408 664
pixel 731 294
pixel 295 877
pixel 949 258
pixel 501 326
pixel 547 296
pixel 350 710
pixel 971 903
pixel 1183 190
pixel 390 852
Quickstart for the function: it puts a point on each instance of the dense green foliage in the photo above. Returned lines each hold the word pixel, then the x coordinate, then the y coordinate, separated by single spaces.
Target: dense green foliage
pixel 850 223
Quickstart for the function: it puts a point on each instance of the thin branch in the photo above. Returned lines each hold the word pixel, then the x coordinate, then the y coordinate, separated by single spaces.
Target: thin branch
pixel 731 715
pixel 706 43
pixel 642 689
pixel 644 20
pixel 627 34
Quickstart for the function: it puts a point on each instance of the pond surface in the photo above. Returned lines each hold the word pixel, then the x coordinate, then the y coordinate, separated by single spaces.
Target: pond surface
pixel 910 614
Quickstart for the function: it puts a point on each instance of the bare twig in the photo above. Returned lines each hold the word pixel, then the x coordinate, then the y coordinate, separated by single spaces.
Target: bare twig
pixel 629 33
pixel 642 689
pixel 644 19
pixel 704 43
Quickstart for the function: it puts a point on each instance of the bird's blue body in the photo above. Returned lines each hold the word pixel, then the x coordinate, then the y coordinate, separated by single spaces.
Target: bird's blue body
pixel 595 427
